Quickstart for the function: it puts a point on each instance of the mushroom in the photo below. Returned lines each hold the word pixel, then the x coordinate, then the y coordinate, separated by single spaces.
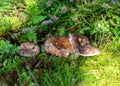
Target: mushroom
pixel 59 46
pixel 81 45
pixel 88 50
pixel 28 49
pixel 78 40
pixel 78 44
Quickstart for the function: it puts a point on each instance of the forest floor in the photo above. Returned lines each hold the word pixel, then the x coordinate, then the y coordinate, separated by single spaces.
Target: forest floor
pixel 37 20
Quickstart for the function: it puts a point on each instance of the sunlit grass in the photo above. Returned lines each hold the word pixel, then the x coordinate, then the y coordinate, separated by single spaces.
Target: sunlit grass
pixel 104 69
pixel 100 70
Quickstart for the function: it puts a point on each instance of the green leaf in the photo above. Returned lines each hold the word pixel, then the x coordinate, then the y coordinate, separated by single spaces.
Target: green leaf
pixel 30 2
pixel 82 31
pixel 30 36
pixel 116 31
pixel 38 19
pixel 7 49
pixel 112 22
pixel 61 31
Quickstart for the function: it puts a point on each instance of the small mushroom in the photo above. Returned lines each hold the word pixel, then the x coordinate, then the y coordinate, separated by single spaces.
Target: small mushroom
pixel 28 49
pixel 81 45
pixel 77 41
pixel 88 50
pixel 59 46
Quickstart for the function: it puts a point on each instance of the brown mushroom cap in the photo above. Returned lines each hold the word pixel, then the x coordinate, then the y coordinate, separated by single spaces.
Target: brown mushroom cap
pixel 59 46
pixel 81 45
pixel 88 50
pixel 77 41
pixel 28 49
pixel 78 44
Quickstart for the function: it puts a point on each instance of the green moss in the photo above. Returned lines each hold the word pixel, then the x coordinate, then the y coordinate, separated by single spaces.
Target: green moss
pixel 104 68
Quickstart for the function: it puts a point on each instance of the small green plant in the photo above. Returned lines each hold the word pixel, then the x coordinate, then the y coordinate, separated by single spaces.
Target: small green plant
pixel 11 64
pixel 25 79
pixel 7 50
pixel 35 12
pixel 31 36
pixel 7 56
